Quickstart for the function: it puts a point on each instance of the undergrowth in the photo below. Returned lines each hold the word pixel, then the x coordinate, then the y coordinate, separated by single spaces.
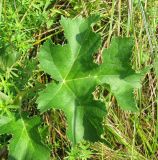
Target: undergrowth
pixel 25 25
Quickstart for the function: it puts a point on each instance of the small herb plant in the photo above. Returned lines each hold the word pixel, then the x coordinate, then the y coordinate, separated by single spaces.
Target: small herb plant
pixel 75 77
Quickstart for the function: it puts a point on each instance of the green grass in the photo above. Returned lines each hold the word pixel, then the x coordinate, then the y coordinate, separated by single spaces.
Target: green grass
pixel 26 24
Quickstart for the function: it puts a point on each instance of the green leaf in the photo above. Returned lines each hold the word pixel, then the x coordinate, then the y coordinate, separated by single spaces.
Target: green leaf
pixel 119 73
pixel 8 56
pixel 26 142
pixel 72 66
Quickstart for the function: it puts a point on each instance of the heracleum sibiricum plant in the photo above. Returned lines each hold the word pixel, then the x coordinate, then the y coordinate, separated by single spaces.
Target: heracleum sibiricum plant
pixel 75 76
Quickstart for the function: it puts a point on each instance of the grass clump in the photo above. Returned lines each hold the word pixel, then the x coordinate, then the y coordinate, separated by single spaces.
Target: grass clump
pixel 26 24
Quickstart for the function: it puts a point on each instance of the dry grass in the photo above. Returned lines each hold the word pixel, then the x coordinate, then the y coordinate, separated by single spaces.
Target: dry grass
pixel 128 136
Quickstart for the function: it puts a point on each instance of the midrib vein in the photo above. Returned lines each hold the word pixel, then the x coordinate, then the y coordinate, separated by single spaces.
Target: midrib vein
pixel 67 76
pixel 89 77
pixel 25 132
pixel 74 115
pixel 78 53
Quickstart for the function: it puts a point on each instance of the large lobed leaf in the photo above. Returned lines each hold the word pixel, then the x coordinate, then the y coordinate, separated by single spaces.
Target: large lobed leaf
pixel 72 66
pixel 26 142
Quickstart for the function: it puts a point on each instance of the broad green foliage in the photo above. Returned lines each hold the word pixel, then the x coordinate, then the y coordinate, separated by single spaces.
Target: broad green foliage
pixel 25 142
pixel 72 65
